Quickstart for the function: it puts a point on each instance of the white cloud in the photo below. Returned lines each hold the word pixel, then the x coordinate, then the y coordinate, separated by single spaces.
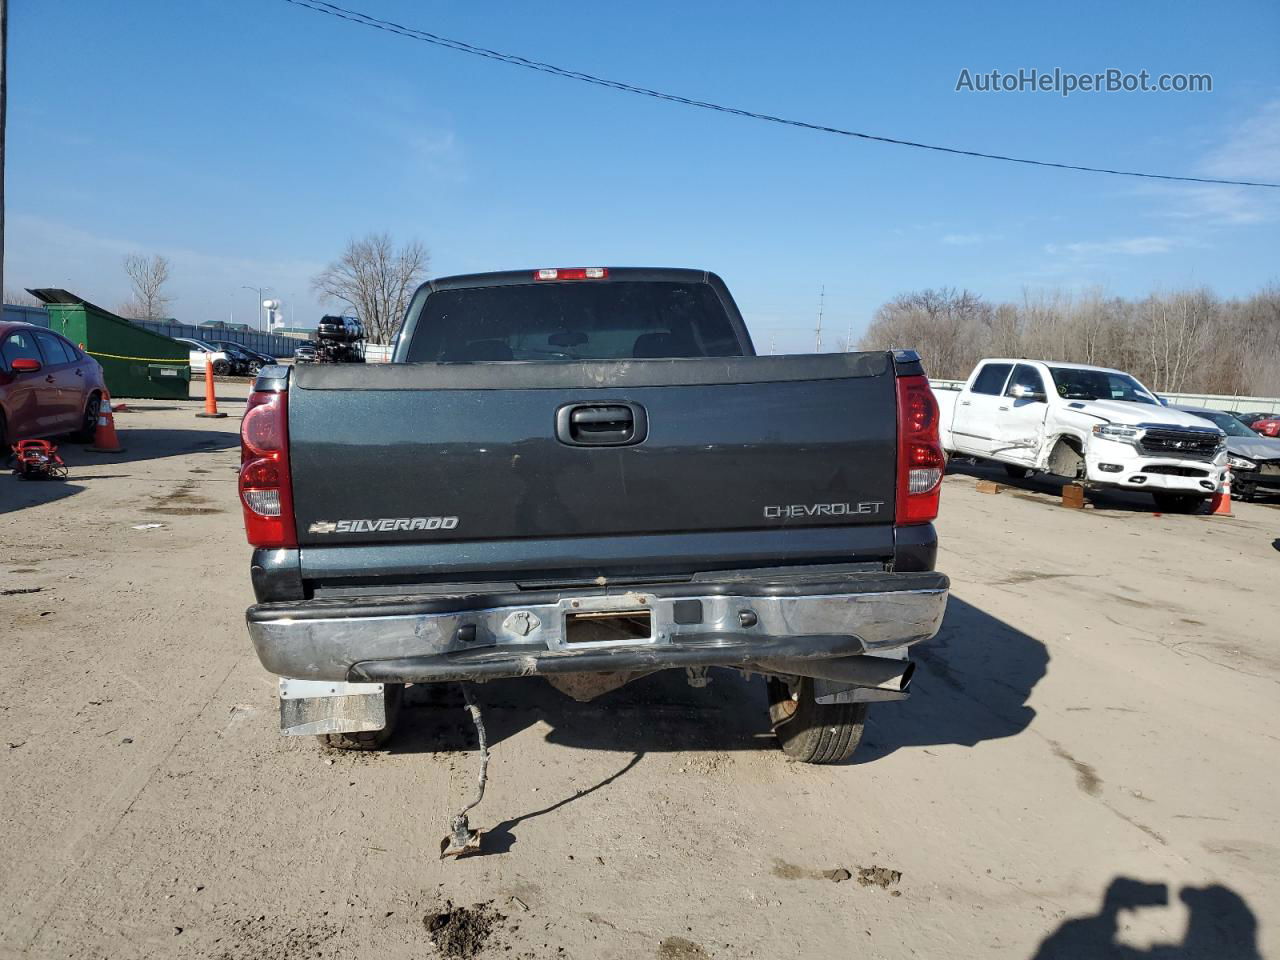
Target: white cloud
pixel 968 239
pixel 1252 151
pixel 1120 246
pixel 1249 152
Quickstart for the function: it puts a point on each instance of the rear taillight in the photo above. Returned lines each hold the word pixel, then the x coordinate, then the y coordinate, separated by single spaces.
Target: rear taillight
pixel 571 273
pixel 920 457
pixel 266 490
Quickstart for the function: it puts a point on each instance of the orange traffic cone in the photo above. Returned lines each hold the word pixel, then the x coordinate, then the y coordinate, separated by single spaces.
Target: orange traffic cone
pixel 1220 506
pixel 104 436
pixel 210 392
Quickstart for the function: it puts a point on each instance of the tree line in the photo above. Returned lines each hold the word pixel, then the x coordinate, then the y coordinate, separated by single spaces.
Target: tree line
pixel 1183 341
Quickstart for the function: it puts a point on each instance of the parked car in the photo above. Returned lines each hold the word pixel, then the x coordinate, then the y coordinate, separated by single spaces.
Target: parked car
pixel 1254 459
pixel 1268 426
pixel 48 386
pixel 640 492
pixel 202 353
pixel 1093 424
pixel 1249 419
pixel 305 353
pixel 263 359
pixel 243 360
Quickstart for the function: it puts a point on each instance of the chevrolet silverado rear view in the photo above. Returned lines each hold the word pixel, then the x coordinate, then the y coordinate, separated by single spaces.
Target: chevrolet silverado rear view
pixel 587 476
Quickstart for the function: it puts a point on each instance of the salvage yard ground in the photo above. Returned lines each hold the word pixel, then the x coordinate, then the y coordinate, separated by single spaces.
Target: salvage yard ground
pixel 1089 758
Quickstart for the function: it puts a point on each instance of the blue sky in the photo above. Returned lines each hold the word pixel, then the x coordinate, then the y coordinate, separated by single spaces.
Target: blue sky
pixel 249 139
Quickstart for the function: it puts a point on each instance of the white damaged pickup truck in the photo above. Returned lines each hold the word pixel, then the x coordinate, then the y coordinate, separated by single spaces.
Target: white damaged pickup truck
pixel 1095 425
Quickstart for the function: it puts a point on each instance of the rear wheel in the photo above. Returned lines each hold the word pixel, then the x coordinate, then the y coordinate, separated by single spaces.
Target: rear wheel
pixel 89 425
pixel 1178 502
pixel 393 694
pixel 221 368
pixel 813 732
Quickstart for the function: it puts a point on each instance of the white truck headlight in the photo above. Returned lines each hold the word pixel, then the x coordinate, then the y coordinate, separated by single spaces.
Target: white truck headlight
pixel 1117 431
pixel 1241 463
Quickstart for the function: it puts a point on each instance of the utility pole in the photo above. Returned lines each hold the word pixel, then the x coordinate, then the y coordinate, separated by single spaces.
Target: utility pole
pixel 773 344
pixel 817 331
pixel 4 97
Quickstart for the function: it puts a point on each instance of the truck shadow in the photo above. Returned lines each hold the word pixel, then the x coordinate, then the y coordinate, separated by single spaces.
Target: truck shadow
pixel 973 683
pixel 1220 926
pixel 655 714
pixel 1048 489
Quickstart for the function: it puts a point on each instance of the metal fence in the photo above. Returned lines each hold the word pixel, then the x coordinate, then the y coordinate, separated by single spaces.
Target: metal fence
pixel 254 340
pixel 276 346
pixel 37 315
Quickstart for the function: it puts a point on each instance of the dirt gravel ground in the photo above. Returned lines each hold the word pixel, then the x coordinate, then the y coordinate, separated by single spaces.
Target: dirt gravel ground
pixel 1088 766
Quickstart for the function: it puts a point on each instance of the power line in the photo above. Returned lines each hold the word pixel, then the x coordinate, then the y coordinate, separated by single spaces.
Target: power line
pixel 363 19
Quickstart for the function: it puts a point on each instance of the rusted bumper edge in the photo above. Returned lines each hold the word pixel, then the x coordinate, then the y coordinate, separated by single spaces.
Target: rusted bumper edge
pixel 736 623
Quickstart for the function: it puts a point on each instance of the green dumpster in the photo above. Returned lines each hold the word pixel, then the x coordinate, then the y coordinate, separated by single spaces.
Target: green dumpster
pixel 135 361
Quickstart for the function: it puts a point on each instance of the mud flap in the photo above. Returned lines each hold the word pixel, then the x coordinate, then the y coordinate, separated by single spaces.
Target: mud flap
pixel 315 707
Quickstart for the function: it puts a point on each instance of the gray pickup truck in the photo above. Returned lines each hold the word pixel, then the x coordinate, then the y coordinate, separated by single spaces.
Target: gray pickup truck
pixel 588 476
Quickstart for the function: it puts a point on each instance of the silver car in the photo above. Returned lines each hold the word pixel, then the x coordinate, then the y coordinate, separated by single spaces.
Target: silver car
pixel 1253 458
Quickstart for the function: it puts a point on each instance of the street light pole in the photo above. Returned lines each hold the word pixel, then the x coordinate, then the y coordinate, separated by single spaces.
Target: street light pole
pixel 260 291
pixel 4 96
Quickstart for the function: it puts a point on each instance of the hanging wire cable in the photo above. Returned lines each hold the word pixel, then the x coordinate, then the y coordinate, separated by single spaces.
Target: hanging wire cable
pixel 363 19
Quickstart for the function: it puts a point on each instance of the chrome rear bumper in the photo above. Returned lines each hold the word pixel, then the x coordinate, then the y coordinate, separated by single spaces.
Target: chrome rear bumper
pixel 736 623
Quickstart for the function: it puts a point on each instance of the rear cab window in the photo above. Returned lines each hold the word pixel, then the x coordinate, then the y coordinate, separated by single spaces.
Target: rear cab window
pixel 586 320
pixel 990 379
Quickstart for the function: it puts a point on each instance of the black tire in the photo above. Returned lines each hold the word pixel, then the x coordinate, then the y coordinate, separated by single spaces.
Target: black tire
pixel 254 367
pixel 813 732
pixel 1016 472
pixel 89 425
pixel 1244 492
pixel 221 368
pixel 1178 502
pixel 393 694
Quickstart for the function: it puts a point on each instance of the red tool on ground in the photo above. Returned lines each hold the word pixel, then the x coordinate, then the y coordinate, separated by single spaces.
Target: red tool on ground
pixel 38 460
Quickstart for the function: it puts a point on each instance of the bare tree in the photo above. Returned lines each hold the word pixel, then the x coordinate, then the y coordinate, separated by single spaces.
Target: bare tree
pixel 376 281
pixel 19 298
pixel 147 275
pixel 947 326
pixel 1175 342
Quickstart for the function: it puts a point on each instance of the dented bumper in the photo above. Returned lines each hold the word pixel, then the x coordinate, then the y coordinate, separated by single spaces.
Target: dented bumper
pixel 736 622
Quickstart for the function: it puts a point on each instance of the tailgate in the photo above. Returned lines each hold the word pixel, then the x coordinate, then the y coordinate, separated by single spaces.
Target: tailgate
pixel 439 453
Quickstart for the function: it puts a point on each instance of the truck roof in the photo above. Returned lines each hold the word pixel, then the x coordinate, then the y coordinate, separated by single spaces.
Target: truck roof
pixel 1053 363
pixel 506 277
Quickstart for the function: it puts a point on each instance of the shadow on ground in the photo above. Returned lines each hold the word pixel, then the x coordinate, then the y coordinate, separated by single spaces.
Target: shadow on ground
pixel 83 465
pixel 1220 927
pixel 973 683
pixel 976 678
pixel 1045 488
pixel 655 714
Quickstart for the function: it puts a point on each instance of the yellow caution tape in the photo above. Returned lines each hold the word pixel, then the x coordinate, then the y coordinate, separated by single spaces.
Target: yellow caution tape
pixel 116 356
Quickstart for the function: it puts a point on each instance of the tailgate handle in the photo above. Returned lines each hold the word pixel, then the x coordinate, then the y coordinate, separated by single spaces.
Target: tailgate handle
pixel 613 424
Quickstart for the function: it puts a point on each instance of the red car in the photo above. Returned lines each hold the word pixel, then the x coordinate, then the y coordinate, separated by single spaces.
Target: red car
pixel 48 386
pixel 1269 427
